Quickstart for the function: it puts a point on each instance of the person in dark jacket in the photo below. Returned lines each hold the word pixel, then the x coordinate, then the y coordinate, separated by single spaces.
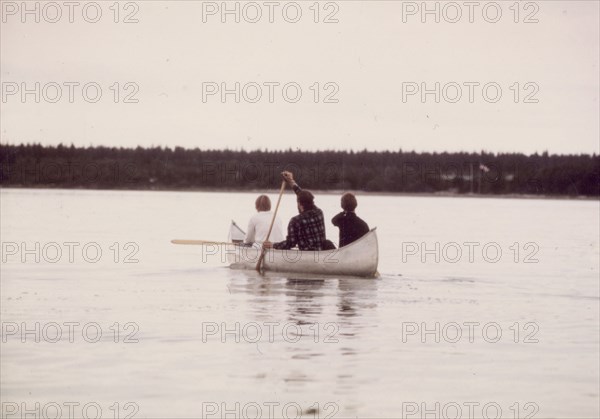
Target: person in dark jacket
pixel 351 226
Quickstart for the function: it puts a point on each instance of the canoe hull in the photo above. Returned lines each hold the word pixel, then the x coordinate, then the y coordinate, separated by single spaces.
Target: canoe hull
pixel 357 259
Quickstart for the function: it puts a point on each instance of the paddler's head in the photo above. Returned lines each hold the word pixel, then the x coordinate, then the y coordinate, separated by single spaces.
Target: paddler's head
pixel 263 203
pixel 349 202
pixel 305 201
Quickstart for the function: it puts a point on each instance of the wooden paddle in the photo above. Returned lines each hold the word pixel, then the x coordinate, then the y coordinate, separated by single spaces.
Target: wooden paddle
pixel 262 253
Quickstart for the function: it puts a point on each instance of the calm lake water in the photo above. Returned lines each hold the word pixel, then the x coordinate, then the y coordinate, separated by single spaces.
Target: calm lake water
pixel 509 331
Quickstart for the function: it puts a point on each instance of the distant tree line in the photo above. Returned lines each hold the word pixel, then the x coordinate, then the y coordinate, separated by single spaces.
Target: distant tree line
pixel 36 166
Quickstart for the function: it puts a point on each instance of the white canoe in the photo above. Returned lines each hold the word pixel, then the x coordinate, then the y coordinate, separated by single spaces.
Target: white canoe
pixel 359 258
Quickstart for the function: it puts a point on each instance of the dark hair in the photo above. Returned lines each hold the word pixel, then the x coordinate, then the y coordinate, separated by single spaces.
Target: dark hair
pixel 263 203
pixel 306 199
pixel 349 202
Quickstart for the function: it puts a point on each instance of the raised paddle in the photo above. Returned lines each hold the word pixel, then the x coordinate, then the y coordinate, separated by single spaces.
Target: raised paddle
pixel 263 251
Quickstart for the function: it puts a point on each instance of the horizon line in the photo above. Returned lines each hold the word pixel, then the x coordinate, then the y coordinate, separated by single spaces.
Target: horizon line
pixel 296 150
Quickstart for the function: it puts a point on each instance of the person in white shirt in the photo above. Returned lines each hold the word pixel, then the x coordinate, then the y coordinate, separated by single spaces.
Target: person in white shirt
pixel 258 227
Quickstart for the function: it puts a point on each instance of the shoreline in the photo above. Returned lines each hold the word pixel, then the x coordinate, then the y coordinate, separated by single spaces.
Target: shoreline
pixel 443 194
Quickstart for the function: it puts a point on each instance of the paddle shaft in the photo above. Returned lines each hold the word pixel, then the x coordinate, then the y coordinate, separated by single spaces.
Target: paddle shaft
pixel 263 251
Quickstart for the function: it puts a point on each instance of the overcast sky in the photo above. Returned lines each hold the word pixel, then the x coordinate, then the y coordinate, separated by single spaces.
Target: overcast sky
pixel 363 64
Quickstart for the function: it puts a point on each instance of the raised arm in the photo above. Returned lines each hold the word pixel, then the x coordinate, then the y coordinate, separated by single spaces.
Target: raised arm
pixel 289 178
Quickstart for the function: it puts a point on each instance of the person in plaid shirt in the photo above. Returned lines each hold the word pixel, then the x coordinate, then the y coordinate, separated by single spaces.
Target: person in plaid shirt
pixel 307 229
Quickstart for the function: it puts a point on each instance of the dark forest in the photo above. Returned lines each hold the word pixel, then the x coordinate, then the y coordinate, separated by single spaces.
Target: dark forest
pixel 36 166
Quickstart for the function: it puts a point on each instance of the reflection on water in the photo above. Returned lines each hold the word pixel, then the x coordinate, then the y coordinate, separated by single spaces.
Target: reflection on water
pixel 330 312
pixel 307 298
pixel 355 294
